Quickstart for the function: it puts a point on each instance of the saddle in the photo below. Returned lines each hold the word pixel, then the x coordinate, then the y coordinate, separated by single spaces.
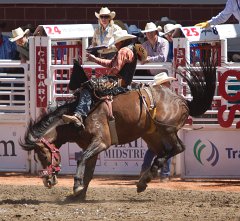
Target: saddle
pixel 106 86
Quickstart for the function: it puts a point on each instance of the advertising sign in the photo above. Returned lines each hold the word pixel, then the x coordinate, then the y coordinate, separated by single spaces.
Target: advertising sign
pixel 213 154
pixel 117 160
pixel 12 157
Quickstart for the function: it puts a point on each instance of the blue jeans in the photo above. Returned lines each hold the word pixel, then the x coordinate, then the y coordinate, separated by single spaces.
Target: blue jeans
pixel 84 103
pixel 147 162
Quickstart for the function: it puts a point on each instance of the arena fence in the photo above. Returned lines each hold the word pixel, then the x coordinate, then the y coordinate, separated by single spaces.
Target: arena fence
pixel 43 83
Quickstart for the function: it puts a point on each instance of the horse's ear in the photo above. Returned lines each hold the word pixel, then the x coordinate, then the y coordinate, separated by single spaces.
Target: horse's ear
pixel 78 76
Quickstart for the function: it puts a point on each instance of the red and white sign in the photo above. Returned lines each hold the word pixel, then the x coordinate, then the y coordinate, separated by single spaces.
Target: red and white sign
pixel 179 57
pixel 232 98
pixel 41 75
pixel 218 32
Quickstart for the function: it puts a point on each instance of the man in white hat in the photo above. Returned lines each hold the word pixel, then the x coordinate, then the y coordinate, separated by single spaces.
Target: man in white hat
pixel 104 32
pixel 164 80
pixel 21 38
pixel 122 65
pixel 156 47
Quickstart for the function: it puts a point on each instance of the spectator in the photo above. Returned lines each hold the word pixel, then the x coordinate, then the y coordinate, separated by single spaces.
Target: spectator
pixel 170 31
pixel 8 49
pixel 104 32
pixel 156 47
pixel 164 80
pixel 232 7
pixel 21 39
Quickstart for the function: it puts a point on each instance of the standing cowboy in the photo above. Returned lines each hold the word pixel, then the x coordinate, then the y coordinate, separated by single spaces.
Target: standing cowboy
pixel 122 65
pixel 165 81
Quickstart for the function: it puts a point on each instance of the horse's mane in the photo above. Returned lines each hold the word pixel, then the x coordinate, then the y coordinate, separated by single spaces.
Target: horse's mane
pixel 37 128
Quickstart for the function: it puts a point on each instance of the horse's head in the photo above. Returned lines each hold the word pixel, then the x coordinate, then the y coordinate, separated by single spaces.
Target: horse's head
pixel 46 136
pixel 45 146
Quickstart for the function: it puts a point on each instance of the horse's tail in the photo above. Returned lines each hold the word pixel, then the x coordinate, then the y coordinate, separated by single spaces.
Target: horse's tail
pixel 202 83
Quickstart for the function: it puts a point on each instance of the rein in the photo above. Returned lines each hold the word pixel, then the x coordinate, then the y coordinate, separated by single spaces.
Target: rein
pixel 55 155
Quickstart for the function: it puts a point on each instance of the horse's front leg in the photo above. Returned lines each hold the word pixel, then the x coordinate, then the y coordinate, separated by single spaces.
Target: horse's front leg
pixel 81 185
pixel 86 166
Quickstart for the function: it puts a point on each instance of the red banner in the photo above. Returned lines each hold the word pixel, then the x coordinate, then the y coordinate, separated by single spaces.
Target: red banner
pixel 41 75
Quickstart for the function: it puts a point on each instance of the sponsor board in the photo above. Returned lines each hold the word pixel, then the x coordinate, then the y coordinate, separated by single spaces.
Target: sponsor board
pixel 121 159
pixel 211 154
pixel 12 157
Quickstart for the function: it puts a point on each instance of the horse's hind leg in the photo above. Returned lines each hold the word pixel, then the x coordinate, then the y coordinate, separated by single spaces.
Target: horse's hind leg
pixel 85 166
pixel 170 146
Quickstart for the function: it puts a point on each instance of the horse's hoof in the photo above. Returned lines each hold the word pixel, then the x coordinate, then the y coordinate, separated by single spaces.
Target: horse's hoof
pixel 141 187
pixel 79 192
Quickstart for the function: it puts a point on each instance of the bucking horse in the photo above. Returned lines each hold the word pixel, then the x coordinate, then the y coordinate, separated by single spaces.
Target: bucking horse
pixel 134 118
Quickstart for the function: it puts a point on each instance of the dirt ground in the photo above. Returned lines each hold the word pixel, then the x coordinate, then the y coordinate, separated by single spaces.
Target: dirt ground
pixel 23 197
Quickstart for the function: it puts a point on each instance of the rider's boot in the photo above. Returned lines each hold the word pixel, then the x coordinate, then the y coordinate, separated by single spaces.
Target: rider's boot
pixel 76 119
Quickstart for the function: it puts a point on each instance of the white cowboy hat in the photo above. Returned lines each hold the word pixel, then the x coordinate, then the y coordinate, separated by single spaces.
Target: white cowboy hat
pixel 105 11
pixel 162 78
pixel 18 33
pixel 171 27
pixel 120 35
pixel 151 27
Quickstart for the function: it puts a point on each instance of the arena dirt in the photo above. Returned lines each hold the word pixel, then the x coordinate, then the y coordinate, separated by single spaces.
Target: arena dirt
pixel 115 198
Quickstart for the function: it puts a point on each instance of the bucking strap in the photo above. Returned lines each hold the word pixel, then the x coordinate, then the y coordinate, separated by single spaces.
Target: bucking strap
pixel 111 120
pixel 149 92
pixel 151 110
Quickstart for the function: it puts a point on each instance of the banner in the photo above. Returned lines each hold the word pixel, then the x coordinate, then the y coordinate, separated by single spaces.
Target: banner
pixel 211 154
pixel 124 159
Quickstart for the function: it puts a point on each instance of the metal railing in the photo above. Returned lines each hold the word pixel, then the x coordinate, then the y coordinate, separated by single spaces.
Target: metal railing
pixel 14 92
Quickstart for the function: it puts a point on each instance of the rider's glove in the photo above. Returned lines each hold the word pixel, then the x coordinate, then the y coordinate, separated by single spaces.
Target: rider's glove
pixel 203 24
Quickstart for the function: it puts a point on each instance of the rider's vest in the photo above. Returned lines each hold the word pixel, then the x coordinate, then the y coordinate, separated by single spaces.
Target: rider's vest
pixel 128 70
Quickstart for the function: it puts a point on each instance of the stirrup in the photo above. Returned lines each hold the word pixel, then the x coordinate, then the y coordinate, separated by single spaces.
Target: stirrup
pixel 80 121
pixel 75 119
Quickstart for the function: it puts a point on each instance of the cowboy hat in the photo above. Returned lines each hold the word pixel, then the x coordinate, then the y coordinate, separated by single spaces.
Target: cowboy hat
pixel 162 78
pixel 120 35
pixel 18 33
pixel 105 11
pixel 151 27
pixel 171 27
